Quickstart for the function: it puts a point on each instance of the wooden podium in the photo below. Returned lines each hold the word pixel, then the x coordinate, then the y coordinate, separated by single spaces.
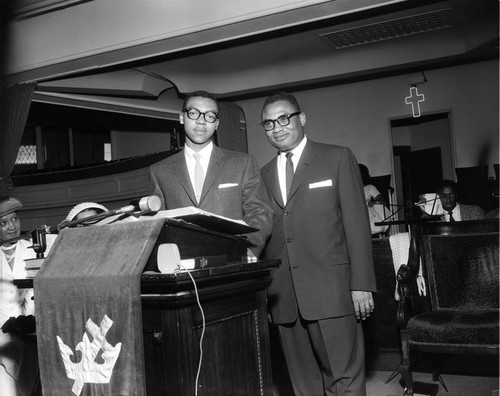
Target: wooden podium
pixel 236 355
pixel 231 324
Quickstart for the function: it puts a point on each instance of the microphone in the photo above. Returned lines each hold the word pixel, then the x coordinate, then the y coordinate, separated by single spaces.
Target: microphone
pixel 151 203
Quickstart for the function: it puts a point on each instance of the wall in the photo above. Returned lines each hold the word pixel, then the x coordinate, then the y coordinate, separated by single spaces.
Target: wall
pixel 358 115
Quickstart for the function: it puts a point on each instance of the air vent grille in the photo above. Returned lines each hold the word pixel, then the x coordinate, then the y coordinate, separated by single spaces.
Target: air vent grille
pixel 387 30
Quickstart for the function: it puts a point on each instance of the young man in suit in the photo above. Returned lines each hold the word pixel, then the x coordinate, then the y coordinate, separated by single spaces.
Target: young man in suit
pixel 220 181
pixel 321 233
pixel 454 211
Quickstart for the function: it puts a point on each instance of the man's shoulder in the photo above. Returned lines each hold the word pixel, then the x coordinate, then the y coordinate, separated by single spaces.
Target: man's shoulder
pixel 231 153
pixel 174 158
pixel 328 147
pixel 470 208
pixel 233 158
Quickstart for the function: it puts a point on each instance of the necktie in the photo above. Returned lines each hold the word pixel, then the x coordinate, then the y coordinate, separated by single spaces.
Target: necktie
pixel 451 216
pixel 288 173
pixel 199 176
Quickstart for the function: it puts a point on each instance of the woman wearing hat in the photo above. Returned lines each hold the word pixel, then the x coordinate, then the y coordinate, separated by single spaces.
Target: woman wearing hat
pixel 18 358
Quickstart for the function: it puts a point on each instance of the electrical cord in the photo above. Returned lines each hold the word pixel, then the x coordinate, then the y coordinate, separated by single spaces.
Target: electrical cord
pixel 202 329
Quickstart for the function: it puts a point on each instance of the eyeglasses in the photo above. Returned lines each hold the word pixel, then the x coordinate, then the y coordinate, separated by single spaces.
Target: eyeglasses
pixel 194 114
pixel 283 120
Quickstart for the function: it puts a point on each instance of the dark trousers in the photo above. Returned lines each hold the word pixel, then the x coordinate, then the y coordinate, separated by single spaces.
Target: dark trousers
pixel 325 357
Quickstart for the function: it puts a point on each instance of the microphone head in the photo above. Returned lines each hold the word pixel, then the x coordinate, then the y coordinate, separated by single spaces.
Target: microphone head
pixel 150 203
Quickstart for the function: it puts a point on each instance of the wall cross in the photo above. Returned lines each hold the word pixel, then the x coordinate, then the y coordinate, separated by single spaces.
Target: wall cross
pixel 414 100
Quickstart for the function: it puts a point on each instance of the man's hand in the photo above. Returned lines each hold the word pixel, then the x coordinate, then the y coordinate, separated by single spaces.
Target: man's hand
pixel 363 303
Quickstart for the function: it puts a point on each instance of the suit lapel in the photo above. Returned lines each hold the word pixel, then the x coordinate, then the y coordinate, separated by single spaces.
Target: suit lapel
pixel 274 184
pixel 215 166
pixel 181 171
pixel 306 161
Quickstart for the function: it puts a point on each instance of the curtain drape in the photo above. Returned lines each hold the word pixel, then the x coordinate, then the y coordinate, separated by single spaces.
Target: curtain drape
pixel 15 103
pixel 231 134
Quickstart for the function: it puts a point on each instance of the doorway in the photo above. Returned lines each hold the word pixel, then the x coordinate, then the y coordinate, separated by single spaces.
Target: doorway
pixel 422 157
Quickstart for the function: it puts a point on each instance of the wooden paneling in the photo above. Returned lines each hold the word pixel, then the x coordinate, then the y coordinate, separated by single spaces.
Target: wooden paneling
pixel 50 203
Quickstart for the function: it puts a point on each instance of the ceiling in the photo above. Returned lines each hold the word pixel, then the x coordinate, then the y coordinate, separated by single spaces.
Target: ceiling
pixel 368 39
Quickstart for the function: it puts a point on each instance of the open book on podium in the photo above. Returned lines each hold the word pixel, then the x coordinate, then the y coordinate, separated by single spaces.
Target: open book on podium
pixel 208 220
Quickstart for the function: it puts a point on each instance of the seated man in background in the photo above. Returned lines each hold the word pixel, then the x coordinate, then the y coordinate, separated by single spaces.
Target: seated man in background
pixel 18 354
pixel 453 210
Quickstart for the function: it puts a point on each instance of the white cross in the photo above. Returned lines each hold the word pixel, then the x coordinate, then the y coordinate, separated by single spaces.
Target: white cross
pixel 414 100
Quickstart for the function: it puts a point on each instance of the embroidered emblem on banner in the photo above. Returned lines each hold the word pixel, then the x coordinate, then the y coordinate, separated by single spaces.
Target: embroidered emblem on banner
pixel 87 370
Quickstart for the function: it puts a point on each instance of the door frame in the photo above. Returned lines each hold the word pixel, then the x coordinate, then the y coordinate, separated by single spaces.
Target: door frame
pixel 395 166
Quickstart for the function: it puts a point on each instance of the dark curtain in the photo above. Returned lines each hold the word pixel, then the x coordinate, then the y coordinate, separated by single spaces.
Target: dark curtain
pixel 232 133
pixel 15 103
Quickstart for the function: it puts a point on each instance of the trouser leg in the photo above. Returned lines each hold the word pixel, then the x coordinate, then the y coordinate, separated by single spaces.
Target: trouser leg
pixel 301 362
pixel 339 346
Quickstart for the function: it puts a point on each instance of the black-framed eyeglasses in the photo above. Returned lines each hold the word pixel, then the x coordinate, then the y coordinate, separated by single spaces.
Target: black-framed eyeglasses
pixel 194 114
pixel 282 120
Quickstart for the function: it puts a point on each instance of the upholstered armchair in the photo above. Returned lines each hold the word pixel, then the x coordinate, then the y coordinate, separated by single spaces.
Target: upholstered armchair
pixel 461 270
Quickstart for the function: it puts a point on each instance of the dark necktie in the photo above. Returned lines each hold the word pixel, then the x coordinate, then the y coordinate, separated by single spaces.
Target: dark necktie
pixel 289 173
pixel 451 216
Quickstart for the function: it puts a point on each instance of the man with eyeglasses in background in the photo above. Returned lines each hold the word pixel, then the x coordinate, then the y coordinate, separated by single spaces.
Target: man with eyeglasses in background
pixel 224 182
pixel 321 233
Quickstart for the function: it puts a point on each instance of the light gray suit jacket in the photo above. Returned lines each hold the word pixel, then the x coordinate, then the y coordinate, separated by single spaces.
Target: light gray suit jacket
pixel 233 188
pixel 469 212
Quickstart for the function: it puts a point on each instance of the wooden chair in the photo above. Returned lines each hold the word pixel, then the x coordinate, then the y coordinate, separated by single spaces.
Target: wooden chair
pixel 461 269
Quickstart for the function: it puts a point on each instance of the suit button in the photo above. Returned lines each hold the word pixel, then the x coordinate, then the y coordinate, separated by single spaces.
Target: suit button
pixel 285 213
pixel 288 240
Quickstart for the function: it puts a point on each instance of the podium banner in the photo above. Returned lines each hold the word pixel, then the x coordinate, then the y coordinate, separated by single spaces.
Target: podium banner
pixel 88 310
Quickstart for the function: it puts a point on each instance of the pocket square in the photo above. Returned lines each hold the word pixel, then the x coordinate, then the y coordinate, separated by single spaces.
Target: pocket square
pixel 227 185
pixel 324 183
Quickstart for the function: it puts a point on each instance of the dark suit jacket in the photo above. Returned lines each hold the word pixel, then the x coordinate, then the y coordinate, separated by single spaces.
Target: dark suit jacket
pixel 322 236
pixel 233 188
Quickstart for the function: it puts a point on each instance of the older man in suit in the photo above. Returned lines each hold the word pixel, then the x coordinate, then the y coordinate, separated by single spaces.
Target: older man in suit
pixel 321 232
pixel 220 181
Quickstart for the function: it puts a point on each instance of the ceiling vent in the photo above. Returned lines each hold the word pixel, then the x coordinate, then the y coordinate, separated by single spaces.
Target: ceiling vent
pixel 387 30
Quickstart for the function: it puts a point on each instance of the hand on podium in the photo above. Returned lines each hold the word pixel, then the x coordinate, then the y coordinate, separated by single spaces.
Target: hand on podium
pixel 20 325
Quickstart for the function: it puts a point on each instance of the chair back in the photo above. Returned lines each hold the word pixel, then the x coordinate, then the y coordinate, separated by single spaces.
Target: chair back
pixel 462 265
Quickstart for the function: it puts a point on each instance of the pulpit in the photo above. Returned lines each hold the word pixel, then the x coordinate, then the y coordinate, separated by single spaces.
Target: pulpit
pixel 101 304
pixel 235 357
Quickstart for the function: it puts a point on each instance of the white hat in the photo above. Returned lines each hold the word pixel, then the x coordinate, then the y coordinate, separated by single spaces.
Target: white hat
pixel 84 206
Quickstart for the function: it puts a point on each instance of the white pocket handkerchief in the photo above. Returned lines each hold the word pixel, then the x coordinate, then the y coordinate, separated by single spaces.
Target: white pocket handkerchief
pixel 227 185
pixel 324 183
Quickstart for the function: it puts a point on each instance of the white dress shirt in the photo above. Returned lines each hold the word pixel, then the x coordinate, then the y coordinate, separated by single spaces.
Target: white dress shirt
pixel 297 152
pixel 455 212
pixel 205 154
